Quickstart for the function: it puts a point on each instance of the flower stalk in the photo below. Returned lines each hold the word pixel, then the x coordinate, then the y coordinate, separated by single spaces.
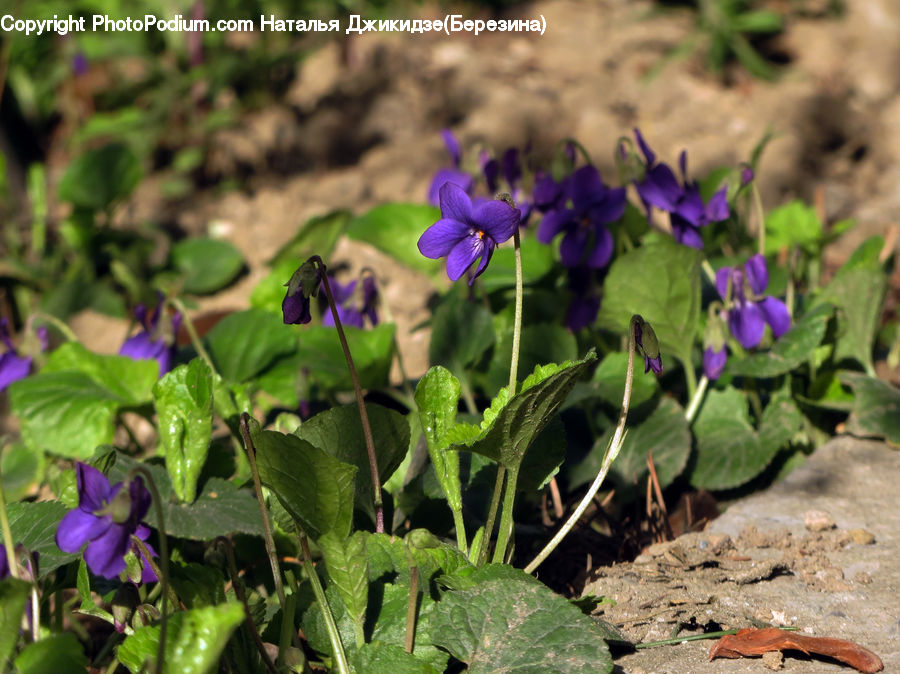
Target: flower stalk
pixel 340 658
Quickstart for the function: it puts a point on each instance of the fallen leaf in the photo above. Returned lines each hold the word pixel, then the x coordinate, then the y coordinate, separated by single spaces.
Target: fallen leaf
pixel 752 641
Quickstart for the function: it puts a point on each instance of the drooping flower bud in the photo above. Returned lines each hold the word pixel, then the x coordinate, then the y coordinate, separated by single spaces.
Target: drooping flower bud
pixel 304 283
pixel 647 344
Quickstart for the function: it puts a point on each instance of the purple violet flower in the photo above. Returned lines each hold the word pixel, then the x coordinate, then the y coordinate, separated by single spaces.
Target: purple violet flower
pixel 105 519
pixel 342 294
pixel 594 205
pixel 453 175
pixel 467 232
pixel 13 367
pixel 647 345
pixel 371 297
pixel 157 341
pixel 547 195
pixel 714 362
pixel 681 200
pixel 303 284
pixel 742 288
pixel 4 563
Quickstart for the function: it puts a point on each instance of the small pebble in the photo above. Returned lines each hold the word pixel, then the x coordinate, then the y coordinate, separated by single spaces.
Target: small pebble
pixel 773 660
pixel 862 578
pixel 861 536
pixel 818 520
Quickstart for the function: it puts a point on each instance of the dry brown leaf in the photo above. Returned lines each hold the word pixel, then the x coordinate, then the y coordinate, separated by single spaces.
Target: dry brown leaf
pixel 752 641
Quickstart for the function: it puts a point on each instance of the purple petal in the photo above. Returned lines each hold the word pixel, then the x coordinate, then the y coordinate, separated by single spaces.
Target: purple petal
pixel 512 172
pixel 747 324
pixel 140 500
pixel 4 563
pixel 491 171
pixel 654 364
pixel 776 315
pixel 610 209
pixel 94 491
pixel 485 258
pixel 660 188
pixel 582 312
pixel 455 203
pixel 497 219
pixel 444 176
pixel 553 223
pixel 714 362
pixel 690 207
pixel 757 274
pixel 603 249
pixel 722 281
pixel 13 368
pixel 546 193
pixel 571 250
pixel 649 155
pixel 685 234
pixel 439 239
pixel 682 164
pixel 452 145
pixel 295 309
pixel 586 188
pixel 746 176
pixel 105 556
pixel 717 208
pixel 342 292
pixel 463 255
pixel 79 527
pixel 143 346
pixel 348 315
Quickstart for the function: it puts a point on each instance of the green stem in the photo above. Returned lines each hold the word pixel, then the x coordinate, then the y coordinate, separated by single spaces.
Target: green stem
pixel 690 378
pixel 460 526
pixel 697 637
pixel 334 635
pixel 7 534
pixel 411 607
pixel 360 403
pixel 615 446
pixel 192 333
pixel 267 528
pixel 757 202
pixel 163 574
pixel 513 380
pixel 709 271
pixel 506 517
pixel 694 405
pixel 466 392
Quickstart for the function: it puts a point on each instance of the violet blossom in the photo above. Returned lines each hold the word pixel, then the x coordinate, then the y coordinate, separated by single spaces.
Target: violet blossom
pixel 682 200
pixel 714 362
pixel 105 519
pixel 742 288
pixel 467 232
pixel 303 284
pixel 157 340
pixel 593 206
pixel 344 296
pixel 453 175
pixel 13 366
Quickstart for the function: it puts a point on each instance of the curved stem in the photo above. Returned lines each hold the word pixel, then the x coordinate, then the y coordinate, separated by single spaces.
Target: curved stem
pixel 757 203
pixel 267 528
pixel 334 635
pixel 492 514
pixel 66 331
pixel 615 446
pixel 506 517
pixel 690 378
pixel 192 333
pixel 164 564
pixel 694 405
pixel 360 403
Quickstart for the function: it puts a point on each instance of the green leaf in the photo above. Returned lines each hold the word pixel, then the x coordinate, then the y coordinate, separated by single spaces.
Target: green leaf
pixel 97 178
pixel 545 457
pixel 794 224
pixel 395 229
pixel 437 397
pixel 245 343
pixel 198 585
pixel 729 451
pixel 313 486
pixel 348 568
pixel 316 236
pixel 184 406
pixel 461 331
pixel 388 556
pixel 65 413
pixel 858 293
pixel 338 432
pixel 537 260
pixel 320 352
pixel 876 407
pixel 21 470
pixel 509 429
pixel 668 298
pixel 221 508
pixel 378 656
pixel 609 381
pixel 34 525
pixel 13 597
pixel 540 343
pixel 194 640
pixel 55 654
pixel 789 350
pixel 207 265
pixel 129 380
pixel 513 624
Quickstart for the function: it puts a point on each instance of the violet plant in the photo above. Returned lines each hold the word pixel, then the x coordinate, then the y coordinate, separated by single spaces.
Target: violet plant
pixel 197 451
